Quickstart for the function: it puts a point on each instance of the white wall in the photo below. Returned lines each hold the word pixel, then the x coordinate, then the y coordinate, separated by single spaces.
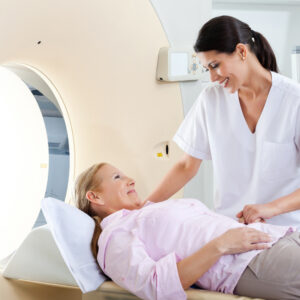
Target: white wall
pixel 278 22
pixel 182 21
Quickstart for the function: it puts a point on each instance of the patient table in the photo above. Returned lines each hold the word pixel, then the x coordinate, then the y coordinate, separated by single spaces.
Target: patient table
pixel 37 271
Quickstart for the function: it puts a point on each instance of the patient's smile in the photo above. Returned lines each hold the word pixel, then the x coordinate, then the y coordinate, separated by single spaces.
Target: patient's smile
pixel 117 190
pixel 131 191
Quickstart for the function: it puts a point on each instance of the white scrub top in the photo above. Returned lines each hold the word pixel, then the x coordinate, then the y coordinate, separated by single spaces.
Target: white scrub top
pixel 248 167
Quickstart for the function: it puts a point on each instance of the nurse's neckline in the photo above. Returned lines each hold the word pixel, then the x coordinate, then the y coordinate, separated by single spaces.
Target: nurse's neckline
pixel 254 92
pixel 261 116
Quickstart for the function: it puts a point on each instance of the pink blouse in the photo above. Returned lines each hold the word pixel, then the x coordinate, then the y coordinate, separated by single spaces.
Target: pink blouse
pixel 139 249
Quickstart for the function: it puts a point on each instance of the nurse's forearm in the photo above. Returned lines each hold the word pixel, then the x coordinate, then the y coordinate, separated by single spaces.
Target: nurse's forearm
pixel 176 178
pixel 287 203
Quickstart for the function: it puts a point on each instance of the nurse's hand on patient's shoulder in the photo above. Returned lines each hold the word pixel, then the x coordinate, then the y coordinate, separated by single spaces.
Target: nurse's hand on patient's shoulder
pixel 242 239
pixel 255 212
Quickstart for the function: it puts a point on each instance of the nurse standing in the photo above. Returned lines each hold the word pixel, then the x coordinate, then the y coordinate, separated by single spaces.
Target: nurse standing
pixel 248 125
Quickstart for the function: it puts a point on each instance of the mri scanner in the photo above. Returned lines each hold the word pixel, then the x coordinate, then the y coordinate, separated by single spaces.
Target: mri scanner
pixel 96 62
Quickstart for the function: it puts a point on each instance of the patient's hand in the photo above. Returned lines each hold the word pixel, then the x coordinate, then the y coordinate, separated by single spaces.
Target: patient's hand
pixel 242 239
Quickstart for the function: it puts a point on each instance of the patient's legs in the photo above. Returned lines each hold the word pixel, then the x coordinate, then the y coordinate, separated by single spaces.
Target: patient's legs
pixel 275 272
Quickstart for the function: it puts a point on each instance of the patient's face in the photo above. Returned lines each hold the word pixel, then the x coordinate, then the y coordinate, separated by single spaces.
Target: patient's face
pixel 116 189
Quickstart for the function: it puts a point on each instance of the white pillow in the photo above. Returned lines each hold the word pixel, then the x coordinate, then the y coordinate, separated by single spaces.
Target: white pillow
pixel 72 230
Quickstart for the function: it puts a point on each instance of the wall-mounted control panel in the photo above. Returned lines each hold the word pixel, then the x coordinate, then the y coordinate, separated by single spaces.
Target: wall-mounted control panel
pixel 178 64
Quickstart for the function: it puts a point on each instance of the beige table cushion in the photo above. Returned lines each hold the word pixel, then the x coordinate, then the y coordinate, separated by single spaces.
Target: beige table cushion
pixel 110 291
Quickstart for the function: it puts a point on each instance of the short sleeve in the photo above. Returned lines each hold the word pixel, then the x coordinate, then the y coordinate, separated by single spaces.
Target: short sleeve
pixel 192 135
pixel 128 264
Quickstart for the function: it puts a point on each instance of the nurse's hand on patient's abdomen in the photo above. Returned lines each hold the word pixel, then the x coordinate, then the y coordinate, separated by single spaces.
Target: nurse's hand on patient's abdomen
pixel 254 212
pixel 242 220
pixel 242 239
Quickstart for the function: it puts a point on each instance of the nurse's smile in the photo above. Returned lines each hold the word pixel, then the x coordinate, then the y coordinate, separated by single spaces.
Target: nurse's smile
pixel 225 68
pixel 225 82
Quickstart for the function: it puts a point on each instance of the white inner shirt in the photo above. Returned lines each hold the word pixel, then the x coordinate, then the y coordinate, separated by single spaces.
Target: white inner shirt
pixel 248 167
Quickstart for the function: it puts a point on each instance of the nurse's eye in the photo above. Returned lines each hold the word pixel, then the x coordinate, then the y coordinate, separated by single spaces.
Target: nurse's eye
pixel 214 66
pixel 117 176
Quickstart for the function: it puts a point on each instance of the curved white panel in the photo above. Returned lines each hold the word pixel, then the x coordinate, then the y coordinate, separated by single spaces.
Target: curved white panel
pixel 23 161
pixel 40 264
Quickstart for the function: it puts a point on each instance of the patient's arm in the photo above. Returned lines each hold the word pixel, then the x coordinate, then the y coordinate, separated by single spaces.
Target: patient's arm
pixel 233 241
pixel 176 178
pixel 128 264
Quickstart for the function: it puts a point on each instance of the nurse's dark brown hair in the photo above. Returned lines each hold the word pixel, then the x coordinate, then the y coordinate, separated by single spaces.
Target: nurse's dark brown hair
pixel 85 182
pixel 223 33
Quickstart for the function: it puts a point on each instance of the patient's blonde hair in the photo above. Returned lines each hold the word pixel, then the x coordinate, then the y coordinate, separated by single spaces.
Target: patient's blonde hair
pixel 86 182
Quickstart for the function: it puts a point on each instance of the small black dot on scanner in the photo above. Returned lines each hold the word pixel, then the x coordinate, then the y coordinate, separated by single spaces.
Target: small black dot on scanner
pixel 39 42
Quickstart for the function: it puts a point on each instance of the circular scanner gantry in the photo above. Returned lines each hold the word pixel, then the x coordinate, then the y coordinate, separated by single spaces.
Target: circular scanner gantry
pixel 100 58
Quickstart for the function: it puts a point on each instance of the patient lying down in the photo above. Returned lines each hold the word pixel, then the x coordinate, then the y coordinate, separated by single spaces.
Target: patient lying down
pixel 157 250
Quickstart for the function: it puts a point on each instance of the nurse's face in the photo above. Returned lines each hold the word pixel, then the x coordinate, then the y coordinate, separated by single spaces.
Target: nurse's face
pixel 227 69
pixel 116 191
